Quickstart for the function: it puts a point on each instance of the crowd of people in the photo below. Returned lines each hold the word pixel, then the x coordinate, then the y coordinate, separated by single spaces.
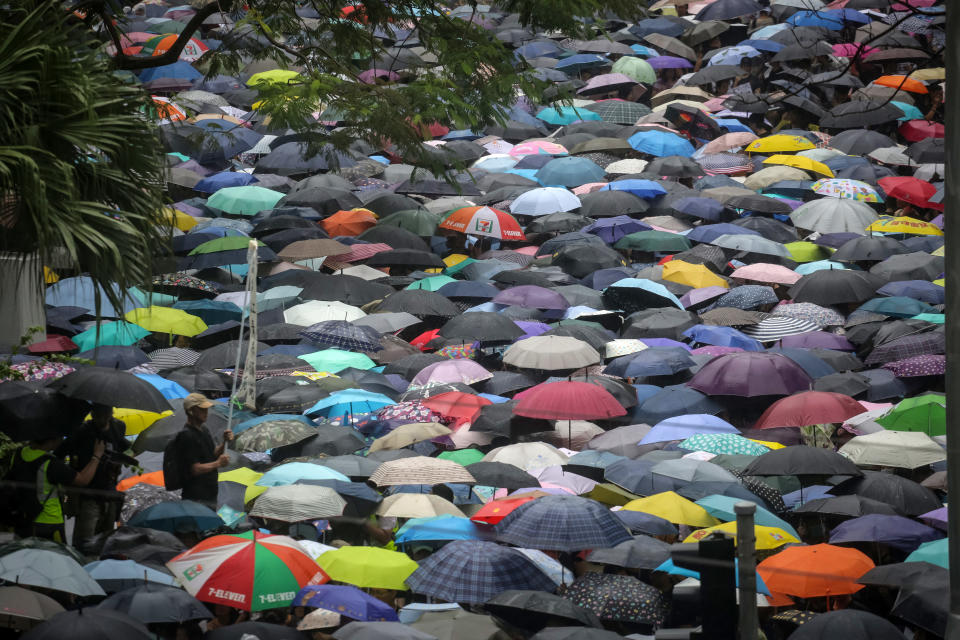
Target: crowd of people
pixel 361 401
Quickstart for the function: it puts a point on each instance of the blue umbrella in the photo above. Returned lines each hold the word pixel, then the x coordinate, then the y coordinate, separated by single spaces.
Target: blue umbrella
pixel 566 115
pixel 657 25
pixel 896 531
pixel 681 427
pixel 896 306
pixel 561 523
pixel 115 357
pixel 211 311
pixel 570 171
pixel 646 523
pixel 180 516
pixel 675 400
pixel 636 476
pixel 341 334
pixel 341 404
pixel 647 189
pixel 437 529
pixel 819 265
pixel 722 507
pixel 733 55
pixel 538 49
pixel 167 388
pixel 917 289
pixel 660 361
pixel 769 46
pixel 612 229
pixel 722 337
pixel 218 181
pixel 660 143
pixel 346 600
pixel 179 70
pixel 705 208
pixel 474 571
pixel 579 62
pixel 910 112
pixel 710 232
pixel 814 366
pixel 825 19
pixel 80 291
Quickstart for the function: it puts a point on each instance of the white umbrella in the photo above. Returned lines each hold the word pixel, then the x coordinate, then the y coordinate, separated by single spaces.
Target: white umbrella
pixel 899 449
pixel 527 455
pixel 834 215
pixel 417 505
pixel 314 311
pixel 298 502
pixel 551 353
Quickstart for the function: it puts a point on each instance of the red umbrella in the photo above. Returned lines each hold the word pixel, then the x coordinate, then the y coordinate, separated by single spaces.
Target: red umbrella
pixel 456 404
pixel 496 510
pixel 53 344
pixel 568 400
pixel 424 338
pixel 808 408
pixel 917 130
pixel 909 189
pixel 484 221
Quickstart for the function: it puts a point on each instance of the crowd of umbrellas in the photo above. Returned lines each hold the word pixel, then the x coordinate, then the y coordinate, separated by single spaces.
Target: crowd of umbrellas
pixel 714 276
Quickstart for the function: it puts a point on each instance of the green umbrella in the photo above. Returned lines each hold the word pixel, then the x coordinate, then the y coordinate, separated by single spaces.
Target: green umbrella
pixel 226 243
pixel 170 26
pixel 653 241
pixel 729 443
pixel 430 284
pixel 636 69
pixel 334 360
pixel 119 333
pixel 418 221
pixel 459 266
pixel 926 413
pixel 270 434
pixel 153 298
pixel 244 201
pixel 462 456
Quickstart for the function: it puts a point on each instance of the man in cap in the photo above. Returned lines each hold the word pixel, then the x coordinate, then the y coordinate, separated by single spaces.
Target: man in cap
pixel 199 456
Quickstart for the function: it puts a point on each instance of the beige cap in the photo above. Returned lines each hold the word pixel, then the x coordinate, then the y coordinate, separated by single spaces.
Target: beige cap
pixel 196 400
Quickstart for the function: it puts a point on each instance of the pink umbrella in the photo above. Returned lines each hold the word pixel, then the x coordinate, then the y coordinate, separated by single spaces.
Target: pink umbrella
pixel 568 400
pixel 528 251
pixel 699 296
pixel 465 371
pixel 766 272
pixel 535 147
pixel 851 49
pixel 715 104
pixel 729 141
pixel 590 187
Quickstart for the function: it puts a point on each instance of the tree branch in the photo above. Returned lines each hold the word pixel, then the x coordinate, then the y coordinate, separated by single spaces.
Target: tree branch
pixel 121 61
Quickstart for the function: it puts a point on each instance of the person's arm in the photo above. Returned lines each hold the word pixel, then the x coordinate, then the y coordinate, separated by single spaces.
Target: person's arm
pixel 85 475
pixel 201 468
pixel 227 437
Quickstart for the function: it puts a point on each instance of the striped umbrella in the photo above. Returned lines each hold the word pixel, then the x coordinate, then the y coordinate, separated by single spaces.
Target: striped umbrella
pixel 250 571
pixel 298 502
pixel 725 163
pixel 775 327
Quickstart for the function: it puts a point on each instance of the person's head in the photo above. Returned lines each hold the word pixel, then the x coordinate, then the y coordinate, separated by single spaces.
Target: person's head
pixel 46 444
pixel 196 406
pixel 100 414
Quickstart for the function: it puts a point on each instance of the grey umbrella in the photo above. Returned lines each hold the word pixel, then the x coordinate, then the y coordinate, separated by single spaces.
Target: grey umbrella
pixel 48 570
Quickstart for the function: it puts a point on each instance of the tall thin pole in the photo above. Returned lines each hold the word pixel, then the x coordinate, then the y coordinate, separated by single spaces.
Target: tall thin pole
pixel 951 58
pixel 747 569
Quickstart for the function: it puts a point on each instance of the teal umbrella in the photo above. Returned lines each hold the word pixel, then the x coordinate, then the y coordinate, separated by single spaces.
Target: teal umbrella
pixel 244 201
pixel 910 112
pixel 334 360
pixel 566 115
pixel 721 507
pixel 729 443
pixel 430 284
pixel 120 333
pixel 936 552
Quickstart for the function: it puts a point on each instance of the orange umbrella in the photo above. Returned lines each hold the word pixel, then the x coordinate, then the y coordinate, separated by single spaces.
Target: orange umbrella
pixel 456 404
pixel 351 222
pixel 155 478
pixel 815 571
pixel 496 510
pixel 902 82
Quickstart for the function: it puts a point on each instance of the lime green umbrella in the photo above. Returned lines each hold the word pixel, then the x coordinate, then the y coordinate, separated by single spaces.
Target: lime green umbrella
pixel 636 69
pixel 926 413
pixel 165 320
pixel 119 333
pixel 430 284
pixel 334 360
pixel 244 201
pixel 806 251
pixel 653 241
pixel 226 243
pixel 368 567
pixel 274 76
pixel 463 456
pixel 418 221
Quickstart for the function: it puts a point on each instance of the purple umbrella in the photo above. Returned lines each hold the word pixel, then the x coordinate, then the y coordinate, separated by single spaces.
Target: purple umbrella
pixel 936 518
pixel 749 374
pixel 712 350
pixel 696 297
pixel 896 531
pixel 669 62
pixel 531 328
pixel 531 296
pixel 927 365
pixel 664 342
pixel 817 340
pixel 612 229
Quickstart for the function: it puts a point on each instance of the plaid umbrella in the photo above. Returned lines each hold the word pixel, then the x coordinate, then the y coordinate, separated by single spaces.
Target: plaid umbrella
pixel 908 346
pixel 717 443
pixel 618 598
pixel 823 316
pixel 341 334
pixel 925 365
pixel 562 523
pixel 173 358
pixel 474 571
pixel 619 111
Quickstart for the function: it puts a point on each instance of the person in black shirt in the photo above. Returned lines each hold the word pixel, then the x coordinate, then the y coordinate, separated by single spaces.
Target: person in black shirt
pixel 199 456
pixel 97 508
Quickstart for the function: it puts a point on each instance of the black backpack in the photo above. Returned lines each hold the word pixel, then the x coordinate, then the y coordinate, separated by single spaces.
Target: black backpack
pixel 174 475
pixel 20 503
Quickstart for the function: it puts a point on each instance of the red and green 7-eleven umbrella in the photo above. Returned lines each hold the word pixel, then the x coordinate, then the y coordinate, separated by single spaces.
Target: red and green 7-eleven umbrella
pixel 484 221
pixel 249 571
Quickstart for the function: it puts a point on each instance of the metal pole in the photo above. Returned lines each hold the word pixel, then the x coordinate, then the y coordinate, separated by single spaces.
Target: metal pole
pixel 747 569
pixel 951 95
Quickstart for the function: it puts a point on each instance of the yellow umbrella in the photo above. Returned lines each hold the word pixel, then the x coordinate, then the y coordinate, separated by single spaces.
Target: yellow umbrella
pixel 942 282
pixel 780 143
pixel 50 276
pixel 692 275
pixel 454 259
pixel 929 75
pixel 673 507
pixel 248 478
pixel 806 251
pixel 767 537
pixel 768 444
pixel 136 420
pixel 939 252
pixel 179 219
pixel 905 224
pixel 800 162
pixel 166 320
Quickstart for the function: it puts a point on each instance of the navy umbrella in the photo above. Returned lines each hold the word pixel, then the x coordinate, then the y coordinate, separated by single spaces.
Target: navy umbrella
pixel 115 357
pixel 646 523
pixel 656 361
pixel 896 531
pixel 673 401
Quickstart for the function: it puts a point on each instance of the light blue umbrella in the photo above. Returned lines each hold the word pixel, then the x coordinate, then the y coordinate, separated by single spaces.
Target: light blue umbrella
pixel 168 388
pixel 722 507
pixel 496 164
pixel 660 143
pixel 566 115
pixel 291 472
pixel 120 333
pixel 348 402
pixel 733 55
pixel 722 337
pixel 80 291
pixel 570 171
pixel 646 52
pixel 669 567
pixel 599 459
pixel 581 61
pixel 936 552
pixel 682 427
pixel 910 112
pixel 437 529
pixel 819 265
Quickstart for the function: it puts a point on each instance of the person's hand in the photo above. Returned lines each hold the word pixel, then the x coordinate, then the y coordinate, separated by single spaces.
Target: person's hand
pixel 98 448
pixel 228 436
pixel 223 460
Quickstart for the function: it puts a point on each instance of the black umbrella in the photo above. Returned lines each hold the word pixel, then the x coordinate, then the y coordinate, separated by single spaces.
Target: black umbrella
pixel 534 610
pixel 675 166
pixel 501 475
pixel 481 325
pixel 30 410
pixel 419 302
pixel 868 248
pixel 909 266
pixel 904 495
pixel 507 382
pixel 501 419
pixel 406 258
pixel 611 203
pixel 769 228
pixel 928 150
pixel 224 356
pixel 354 467
pixel 395 237
pixel 296 398
pixel 848 383
pixel 259 630
pixel 346 288
pixel 803 462
pixel 850 624
pixel 925 604
pixel 860 141
pixel 715 73
pixel 643 552
pixel 409 366
pixel 326 201
pixel 89 624
pixel 858 113
pixel 514 131
pixel 849 506
pixel 561 222
pixel 828 287
pixel 757 203
pixel 111 387
pixel 728 9
pixel 198 379
pixel 330 441
pixel 595 336
pixel 900 574
pixel 658 323
pixel 156 603
pixel 293 159
pixel 278 239
pixel 279 333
